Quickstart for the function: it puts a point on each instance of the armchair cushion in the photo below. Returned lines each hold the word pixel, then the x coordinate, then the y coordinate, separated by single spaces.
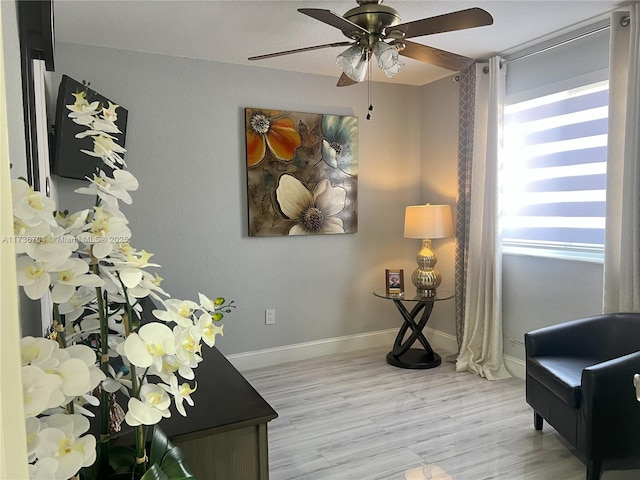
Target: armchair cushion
pixel 561 375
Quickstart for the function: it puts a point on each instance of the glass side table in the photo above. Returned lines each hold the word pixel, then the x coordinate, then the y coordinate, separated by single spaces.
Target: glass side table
pixel 403 355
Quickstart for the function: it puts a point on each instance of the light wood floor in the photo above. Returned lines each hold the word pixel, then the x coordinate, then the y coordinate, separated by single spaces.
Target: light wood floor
pixel 354 417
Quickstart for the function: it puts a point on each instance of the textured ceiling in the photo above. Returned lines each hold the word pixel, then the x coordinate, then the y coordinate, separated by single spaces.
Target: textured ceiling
pixel 232 31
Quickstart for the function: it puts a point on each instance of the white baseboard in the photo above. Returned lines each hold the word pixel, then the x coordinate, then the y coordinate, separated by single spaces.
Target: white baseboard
pixel 328 346
pixel 515 366
pixel 440 341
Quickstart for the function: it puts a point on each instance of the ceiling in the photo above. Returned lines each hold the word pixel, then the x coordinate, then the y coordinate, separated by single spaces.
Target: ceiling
pixel 232 31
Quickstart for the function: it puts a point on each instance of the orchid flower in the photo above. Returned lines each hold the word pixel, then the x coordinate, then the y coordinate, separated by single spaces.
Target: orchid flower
pixel 32 425
pixel 82 107
pixel 170 366
pixel 116 381
pixel 72 223
pixel 53 249
pixel 110 113
pixel 77 304
pixel 40 390
pixel 29 205
pixel 180 394
pixel 72 275
pixel 105 229
pixel 209 305
pixel 62 440
pixel 208 329
pixel 148 345
pixel 149 285
pixel 36 350
pixel 178 311
pixel 105 148
pixel 104 187
pixel 188 348
pixel 33 277
pixel 151 408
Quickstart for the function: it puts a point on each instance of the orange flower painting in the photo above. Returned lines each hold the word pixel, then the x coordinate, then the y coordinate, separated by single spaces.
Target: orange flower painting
pixel 266 128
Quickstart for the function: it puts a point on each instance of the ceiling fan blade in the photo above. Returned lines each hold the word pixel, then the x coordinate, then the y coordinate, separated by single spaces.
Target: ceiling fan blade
pixel 469 18
pixel 349 28
pixel 345 81
pixel 298 50
pixel 435 56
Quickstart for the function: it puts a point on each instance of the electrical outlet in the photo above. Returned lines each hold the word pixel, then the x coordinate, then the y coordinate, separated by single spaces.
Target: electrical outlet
pixel 270 316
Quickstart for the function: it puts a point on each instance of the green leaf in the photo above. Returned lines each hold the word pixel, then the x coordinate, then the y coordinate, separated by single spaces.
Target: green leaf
pixel 160 444
pixel 121 456
pixel 175 465
pixel 154 473
pixel 166 459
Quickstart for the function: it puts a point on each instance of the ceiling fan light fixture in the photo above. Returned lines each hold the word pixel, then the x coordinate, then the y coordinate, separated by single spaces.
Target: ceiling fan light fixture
pixel 353 62
pixel 391 71
pixel 388 58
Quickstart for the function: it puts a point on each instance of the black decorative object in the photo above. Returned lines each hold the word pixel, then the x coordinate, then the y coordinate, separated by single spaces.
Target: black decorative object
pixel 67 159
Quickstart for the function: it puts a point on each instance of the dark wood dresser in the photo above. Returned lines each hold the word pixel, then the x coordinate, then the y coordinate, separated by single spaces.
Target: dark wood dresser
pixel 224 435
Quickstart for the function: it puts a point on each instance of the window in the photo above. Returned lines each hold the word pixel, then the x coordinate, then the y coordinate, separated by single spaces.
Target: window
pixel 554 163
pixel 554 173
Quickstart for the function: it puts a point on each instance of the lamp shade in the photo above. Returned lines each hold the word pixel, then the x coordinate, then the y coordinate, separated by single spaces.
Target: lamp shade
pixel 428 221
pixel 353 62
pixel 388 58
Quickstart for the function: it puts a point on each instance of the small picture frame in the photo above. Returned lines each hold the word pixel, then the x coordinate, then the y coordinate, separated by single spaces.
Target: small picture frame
pixel 394 281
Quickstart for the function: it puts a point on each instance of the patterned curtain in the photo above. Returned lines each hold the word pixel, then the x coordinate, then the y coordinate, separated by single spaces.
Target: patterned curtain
pixel 466 119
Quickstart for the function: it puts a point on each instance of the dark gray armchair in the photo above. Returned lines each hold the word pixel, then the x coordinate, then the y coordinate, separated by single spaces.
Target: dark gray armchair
pixel 580 380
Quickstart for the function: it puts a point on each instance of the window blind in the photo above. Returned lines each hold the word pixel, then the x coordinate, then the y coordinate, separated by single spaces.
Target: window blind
pixel 554 174
pixel 553 177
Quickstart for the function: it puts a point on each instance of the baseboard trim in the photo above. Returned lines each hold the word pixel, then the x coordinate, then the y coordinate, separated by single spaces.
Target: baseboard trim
pixel 515 366
pixel 328 346
pixel 442 342
pixel 306 350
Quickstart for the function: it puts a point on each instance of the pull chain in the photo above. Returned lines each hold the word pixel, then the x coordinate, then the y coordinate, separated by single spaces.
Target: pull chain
pixel 369 91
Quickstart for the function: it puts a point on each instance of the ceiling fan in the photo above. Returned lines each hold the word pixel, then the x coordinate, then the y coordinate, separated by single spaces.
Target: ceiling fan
pixel 376 29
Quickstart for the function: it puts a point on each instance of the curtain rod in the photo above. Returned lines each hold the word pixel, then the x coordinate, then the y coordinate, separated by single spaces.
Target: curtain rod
pixel 624 21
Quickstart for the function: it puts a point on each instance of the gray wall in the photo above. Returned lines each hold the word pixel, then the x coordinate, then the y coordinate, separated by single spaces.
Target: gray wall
pixel 185 143
pixel 438 181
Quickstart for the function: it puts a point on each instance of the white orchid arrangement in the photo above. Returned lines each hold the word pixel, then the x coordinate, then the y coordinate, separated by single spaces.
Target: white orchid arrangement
pixel 99 351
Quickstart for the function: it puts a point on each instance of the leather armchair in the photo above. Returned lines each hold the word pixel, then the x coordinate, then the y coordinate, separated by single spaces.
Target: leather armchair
pixel 580 380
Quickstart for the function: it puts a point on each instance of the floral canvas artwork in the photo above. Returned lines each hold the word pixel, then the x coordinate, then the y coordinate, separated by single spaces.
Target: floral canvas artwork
pixel 302 173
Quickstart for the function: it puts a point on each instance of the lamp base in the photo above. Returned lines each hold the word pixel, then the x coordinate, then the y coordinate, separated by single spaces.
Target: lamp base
pixel 426 278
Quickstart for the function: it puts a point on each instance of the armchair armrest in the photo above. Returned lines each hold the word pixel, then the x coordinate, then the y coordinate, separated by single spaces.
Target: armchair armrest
pixel 611 410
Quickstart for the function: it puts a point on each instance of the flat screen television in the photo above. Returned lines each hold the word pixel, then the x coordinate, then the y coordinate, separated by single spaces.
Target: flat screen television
pixel 67 159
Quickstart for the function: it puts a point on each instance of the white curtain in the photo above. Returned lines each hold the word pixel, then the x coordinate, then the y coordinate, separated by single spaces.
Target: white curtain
pixel 481 350
pixel 13 439
pixel 622 243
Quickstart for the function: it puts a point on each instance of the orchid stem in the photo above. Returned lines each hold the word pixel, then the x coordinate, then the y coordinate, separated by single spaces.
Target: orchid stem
pixel 141 455
pixel 105 400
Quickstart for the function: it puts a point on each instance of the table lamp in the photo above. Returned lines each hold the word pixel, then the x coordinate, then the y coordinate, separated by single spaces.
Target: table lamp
pixel 427 222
